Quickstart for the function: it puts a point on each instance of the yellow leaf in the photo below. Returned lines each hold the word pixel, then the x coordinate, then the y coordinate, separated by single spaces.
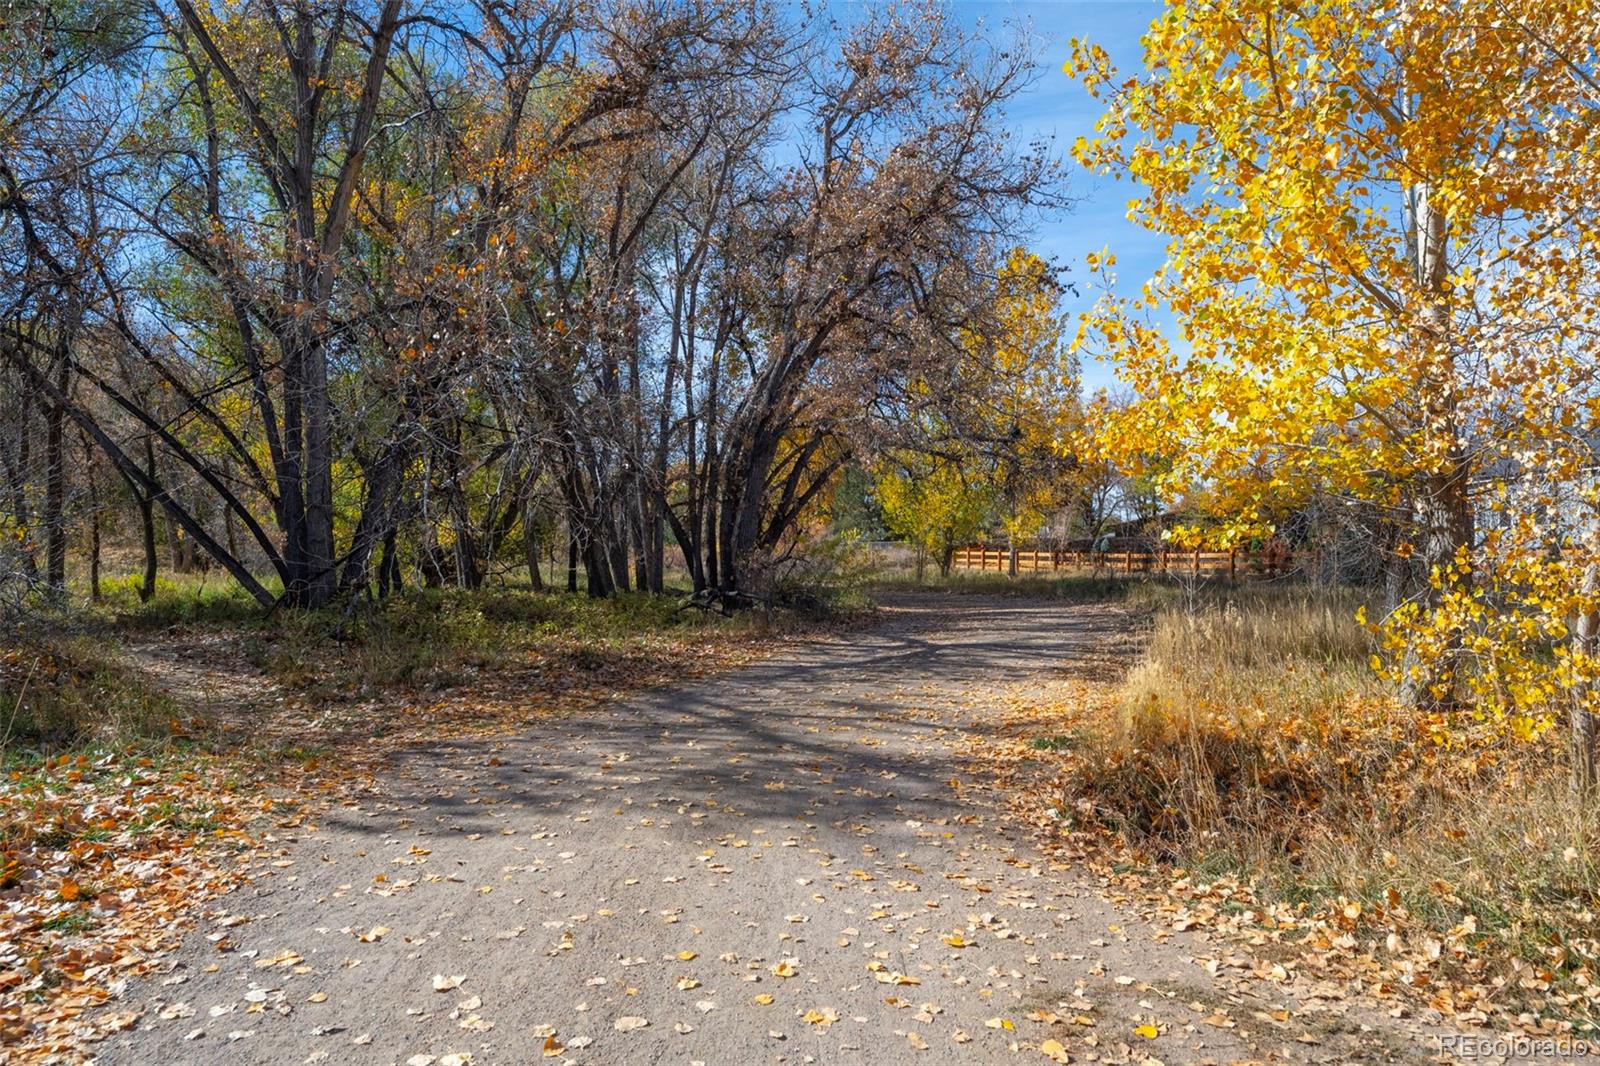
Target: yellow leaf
pixel 1148 1031
pixel 824 1017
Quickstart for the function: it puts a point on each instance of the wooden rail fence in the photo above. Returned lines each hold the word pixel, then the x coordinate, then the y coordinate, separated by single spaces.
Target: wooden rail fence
pixel 1234 565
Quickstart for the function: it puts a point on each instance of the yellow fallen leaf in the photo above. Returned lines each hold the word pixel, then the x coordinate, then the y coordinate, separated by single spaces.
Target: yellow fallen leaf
pixel 824 1017
pixel 688 956
pixel 552 1047
pixel 1000 1023
pixel 1148 1031
pixel 1052 1050
pixel 784 969
pixel 765 999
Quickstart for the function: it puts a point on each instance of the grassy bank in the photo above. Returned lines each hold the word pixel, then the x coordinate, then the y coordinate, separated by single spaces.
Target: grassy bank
pixel 1251 743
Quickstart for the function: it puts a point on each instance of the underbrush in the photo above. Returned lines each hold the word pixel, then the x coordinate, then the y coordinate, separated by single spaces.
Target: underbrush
pixel 179 599
pixel 64 692
pixel 438 638
pixel 1252 741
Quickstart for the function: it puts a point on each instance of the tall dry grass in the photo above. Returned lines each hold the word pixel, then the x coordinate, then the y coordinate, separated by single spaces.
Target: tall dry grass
pixel 1253 739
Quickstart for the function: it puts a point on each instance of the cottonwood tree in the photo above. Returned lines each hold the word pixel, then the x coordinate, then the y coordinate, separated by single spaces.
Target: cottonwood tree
pixel 367 288
pixel 868 260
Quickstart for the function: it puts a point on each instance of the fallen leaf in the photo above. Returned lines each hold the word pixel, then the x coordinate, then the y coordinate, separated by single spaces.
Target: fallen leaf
pixel 822 1018
pixel 1052 1050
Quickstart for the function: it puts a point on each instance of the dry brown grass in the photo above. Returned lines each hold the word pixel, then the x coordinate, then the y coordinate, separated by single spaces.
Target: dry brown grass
pixel 1252 739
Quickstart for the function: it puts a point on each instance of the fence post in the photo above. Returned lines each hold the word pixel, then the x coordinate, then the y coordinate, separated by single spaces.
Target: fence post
pixel 1233 569
pixel 1197 564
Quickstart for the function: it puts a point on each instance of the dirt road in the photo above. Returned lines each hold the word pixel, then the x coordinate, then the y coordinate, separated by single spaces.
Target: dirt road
pixel 768 866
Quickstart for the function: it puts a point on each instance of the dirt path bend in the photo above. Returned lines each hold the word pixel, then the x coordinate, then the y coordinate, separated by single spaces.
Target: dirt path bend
pixel 769 866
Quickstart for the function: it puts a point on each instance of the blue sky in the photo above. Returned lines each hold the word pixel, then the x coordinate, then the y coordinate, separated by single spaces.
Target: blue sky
pixel 1056 107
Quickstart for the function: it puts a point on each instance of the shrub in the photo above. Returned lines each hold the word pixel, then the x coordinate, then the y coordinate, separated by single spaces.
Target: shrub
pixel 830 576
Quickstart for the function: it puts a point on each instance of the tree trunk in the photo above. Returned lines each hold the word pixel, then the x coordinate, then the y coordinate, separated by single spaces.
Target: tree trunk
pixel 1445 525
pixel 616 542
pixel 147 525
pixel 55 488
pixel 320 576
pixel 1585 721
pixel 531 541
pixel 390 579
pixel 94 555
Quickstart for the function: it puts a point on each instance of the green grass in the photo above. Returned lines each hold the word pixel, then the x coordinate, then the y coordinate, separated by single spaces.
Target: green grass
pixel 67 691
pixel 71 922
pixel 65 686
pixel 436 638
pixel 1060 742
pixel 181 599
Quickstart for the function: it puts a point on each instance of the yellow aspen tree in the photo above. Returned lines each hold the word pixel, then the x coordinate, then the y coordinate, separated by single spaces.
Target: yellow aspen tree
pixel 1035 397
pixel 1382 260
pixel 933 503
